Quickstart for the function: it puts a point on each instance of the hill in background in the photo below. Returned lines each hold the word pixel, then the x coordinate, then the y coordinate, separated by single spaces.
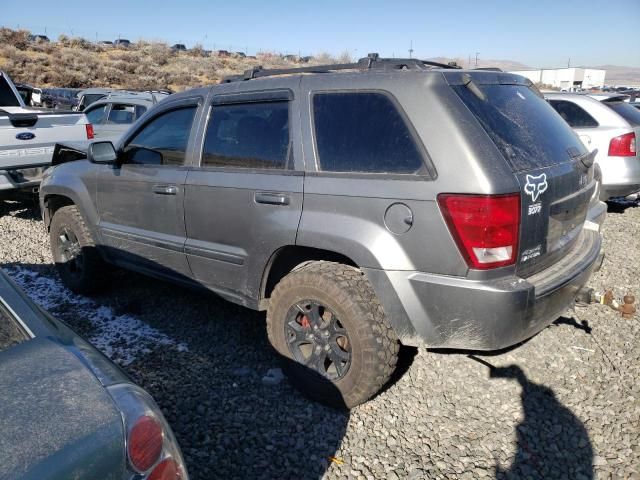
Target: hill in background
pixel 78 63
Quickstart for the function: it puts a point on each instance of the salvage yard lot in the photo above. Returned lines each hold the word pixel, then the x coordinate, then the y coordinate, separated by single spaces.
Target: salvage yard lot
pixel 570 399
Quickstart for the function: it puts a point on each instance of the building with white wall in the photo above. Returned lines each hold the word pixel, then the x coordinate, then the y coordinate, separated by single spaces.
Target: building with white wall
pixel 566 78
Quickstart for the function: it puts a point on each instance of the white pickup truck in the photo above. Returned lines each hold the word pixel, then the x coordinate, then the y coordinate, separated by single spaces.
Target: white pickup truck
pixel 28 136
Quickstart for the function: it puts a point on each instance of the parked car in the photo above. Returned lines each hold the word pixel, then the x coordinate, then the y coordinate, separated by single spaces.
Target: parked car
pixel 38 38
pixel 89 95
pixel 106 43
pixel 60 98
pixel 178 47
pixel 67 411
pixel 36 97
pixel 26 92
pixel 442 208
pixel 606 123
pixel 122 42
pixel 114 114
pixel 28 136
pixel 222 53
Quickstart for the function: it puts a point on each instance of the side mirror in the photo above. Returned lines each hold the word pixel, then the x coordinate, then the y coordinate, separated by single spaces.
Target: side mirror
pixel 103 153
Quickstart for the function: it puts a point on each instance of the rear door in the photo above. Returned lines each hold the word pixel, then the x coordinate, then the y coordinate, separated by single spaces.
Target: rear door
pixel 244 200
pixel 140 202
pixel 547 157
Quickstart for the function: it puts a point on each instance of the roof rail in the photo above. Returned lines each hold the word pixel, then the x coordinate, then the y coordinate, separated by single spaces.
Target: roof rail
pixel 370 62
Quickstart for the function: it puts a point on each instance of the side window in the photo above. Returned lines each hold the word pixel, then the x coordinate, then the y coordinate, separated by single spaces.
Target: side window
pixel 162 141
pixel 252 135
pixel 96 115
pixel 363 132
pixel 574 115
pixel 121 114
pixel 140 109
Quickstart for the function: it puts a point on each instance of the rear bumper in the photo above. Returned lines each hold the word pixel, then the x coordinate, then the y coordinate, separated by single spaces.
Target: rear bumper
pixel 454 312
pixel 620 176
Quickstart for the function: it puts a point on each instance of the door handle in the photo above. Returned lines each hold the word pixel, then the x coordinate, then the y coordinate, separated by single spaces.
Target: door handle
pixel 165 189
pixel 272 198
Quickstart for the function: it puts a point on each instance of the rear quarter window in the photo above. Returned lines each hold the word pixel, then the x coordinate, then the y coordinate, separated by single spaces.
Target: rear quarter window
pixel 363 132
pixel 524 127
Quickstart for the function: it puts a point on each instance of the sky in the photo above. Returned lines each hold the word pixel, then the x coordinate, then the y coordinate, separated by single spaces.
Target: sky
pixel 541 33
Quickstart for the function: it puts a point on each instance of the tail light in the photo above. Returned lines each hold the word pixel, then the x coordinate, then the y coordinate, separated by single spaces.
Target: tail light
pixel 152 450
pixel 144 444
pixel 89 128
pixel 486 228
pixel 623 146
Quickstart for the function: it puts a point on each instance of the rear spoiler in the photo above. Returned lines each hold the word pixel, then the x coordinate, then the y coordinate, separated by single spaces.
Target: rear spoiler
pixel 69 152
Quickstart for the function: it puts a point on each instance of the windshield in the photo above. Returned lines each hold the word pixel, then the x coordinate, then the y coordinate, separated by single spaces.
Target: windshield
pixel 525 128
pixel 626 111
pixel 92 97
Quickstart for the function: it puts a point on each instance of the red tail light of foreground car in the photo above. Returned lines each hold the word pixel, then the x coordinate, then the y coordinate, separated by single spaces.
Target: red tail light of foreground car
pixel 152 450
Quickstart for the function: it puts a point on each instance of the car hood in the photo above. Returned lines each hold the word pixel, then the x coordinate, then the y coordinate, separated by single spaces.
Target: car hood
pixel 58 421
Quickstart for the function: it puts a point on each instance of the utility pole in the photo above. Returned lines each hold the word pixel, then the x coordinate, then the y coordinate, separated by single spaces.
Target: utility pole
pixel 469 61
pixel 477 53
pixel 411 49
pixel 569 63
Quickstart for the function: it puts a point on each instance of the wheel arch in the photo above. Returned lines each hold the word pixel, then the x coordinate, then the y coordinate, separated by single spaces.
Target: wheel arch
pixel 290 257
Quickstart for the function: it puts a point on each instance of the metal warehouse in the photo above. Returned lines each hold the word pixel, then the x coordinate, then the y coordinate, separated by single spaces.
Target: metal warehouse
pixel 568 79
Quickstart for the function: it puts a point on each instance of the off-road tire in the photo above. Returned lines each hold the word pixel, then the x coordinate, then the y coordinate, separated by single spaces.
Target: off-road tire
pixel 94 270
pixel 374 344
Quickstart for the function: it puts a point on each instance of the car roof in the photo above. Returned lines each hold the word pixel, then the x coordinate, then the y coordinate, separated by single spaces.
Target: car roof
pixel 145 102
pixel 94 90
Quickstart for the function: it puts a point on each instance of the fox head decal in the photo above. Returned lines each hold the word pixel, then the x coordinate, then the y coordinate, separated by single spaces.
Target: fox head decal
pixel 536 186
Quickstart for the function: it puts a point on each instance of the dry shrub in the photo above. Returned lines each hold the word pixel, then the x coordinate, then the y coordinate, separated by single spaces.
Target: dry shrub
pixel 76 62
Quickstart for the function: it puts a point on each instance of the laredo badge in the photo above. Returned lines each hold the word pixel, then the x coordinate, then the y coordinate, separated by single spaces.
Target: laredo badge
pixel 536 186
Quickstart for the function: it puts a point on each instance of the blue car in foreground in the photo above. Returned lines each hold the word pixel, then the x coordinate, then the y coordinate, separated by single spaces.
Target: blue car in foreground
pixel 68 412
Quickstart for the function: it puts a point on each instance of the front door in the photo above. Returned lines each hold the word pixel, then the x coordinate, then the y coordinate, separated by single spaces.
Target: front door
pixel 244 201
pixel 140 202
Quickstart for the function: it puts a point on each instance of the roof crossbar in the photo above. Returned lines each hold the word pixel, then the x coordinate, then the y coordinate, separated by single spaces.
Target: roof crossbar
pixel 370 62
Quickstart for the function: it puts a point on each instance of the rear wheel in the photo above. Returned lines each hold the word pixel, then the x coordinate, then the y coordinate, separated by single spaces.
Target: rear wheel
pixel 327 324
pixel 74 252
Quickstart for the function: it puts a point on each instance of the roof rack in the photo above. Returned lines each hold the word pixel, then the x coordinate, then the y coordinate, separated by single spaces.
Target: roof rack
pixel 370 62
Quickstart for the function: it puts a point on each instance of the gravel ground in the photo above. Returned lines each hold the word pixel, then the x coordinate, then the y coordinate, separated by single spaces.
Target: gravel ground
pixel 565 404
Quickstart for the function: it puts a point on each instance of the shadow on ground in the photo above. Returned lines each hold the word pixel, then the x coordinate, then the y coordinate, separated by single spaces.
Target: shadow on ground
pixel 543 435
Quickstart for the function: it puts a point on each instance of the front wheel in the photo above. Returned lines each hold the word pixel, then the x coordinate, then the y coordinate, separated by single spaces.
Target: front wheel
pixel 326 322
pixel 74 252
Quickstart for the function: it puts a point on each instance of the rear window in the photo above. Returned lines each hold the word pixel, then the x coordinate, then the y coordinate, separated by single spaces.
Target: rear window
pixel 11 333
pixel 363 132
pixel 524 127
pixel 626 111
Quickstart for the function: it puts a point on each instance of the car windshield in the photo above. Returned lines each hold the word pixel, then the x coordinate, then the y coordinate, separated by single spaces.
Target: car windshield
pixel 92 97
pixel 11 332
pixel 626 111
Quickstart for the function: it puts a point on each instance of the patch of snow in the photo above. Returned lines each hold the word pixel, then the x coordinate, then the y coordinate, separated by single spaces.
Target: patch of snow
pixel 123 338
pixel 273 377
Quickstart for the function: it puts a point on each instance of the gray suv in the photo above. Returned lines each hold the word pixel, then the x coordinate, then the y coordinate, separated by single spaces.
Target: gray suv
pixel 362 206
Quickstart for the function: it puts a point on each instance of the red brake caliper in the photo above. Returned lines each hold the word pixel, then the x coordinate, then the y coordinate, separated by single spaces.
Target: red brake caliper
pixel 304 321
